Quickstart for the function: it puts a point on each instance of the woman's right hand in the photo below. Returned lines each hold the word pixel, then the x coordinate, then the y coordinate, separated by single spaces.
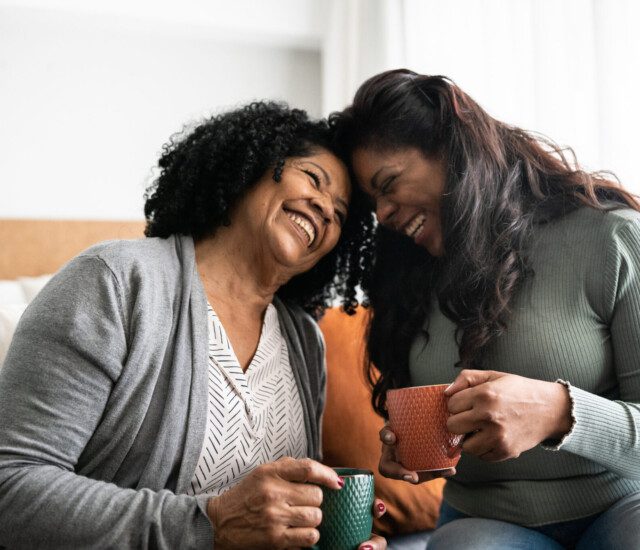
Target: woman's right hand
pixel 276 506
pixel 390 467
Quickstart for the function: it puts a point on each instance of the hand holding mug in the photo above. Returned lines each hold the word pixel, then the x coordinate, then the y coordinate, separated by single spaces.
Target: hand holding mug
pixel 417 446
pixel 276 506
pixel 504 414
pixel 390 467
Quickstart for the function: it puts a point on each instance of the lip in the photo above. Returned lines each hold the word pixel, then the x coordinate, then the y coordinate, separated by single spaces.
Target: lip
pixel 402 227
pixel 421 239
pixel 310 218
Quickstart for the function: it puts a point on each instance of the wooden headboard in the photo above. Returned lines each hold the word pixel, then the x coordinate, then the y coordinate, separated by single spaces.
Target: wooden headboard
pixel 39 247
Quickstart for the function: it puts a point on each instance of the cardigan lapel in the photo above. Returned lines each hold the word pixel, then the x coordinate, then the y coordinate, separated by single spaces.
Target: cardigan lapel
pixel 298 361
pixel 193 292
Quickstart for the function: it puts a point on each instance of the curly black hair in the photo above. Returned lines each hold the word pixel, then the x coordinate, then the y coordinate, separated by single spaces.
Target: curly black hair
pixel 206 170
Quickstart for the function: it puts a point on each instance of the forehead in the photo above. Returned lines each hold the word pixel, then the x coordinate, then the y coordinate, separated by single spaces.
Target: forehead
pixel 369 162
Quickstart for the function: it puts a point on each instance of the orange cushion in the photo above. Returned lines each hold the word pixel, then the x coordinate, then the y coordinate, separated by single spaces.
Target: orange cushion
pixel 350 428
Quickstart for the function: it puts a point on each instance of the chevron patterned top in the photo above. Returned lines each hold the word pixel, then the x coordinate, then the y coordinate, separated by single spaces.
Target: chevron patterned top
pixel 253 417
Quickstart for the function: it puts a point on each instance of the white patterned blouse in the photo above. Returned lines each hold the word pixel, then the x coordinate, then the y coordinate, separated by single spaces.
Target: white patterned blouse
pixel 253 417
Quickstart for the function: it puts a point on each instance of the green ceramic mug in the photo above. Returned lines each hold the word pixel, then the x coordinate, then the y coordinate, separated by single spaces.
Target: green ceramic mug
pixel 347 513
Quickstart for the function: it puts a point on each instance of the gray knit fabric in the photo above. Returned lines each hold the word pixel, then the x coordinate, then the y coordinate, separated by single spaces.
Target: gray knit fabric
pixel 103 402
pixel 577 319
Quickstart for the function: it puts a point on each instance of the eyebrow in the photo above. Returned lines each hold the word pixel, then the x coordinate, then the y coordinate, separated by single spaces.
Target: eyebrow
pixel 328 180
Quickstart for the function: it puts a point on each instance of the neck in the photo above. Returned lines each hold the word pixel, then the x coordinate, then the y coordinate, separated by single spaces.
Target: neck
pixel 233 272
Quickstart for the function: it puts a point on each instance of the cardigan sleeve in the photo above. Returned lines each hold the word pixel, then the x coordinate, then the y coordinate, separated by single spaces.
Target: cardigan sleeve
pixel 322 388
pixel 608 431
pixel 65 357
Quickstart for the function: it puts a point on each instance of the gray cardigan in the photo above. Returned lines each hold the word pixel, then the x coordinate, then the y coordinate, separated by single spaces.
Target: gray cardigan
pixel 103 402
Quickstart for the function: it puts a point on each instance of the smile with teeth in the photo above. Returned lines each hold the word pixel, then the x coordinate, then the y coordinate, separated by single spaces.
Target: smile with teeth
pixel 415 227
pixel 305 224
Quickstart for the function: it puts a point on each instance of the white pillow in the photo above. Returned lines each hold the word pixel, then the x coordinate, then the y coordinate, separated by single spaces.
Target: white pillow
pixel 9 317
pixel 14 297
pixel 11 293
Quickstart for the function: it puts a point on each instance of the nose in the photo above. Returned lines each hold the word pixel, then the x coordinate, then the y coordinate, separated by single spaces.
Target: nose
pixel 323 204
pixel 384 210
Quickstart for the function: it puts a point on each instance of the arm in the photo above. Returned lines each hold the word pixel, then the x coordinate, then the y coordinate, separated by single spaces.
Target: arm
pixel 65 358
pixel 608 431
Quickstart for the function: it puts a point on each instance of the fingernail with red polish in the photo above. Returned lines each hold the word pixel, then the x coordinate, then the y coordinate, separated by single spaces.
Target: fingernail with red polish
pixel 381 507
pixel 341 482
pixel 366 547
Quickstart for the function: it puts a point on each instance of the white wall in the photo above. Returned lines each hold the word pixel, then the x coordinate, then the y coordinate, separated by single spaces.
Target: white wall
pixel 91 89
pixel 569 69
pixel 89 93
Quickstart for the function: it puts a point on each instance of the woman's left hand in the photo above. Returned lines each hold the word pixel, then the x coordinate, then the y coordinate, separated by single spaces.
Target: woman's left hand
pixel 376 542
pixel 504 414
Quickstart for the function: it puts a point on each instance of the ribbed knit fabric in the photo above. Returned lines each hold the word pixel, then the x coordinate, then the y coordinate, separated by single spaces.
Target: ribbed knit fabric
pixel 576 319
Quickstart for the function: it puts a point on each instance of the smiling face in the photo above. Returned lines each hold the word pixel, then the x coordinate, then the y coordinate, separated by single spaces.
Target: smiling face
pixel 296 221
pixel 407 189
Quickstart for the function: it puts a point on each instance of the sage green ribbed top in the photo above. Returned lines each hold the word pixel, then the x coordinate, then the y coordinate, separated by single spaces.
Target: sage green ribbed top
pixel 576 319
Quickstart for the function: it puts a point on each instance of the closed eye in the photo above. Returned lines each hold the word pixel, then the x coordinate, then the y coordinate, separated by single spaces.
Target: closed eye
pixel 386 185
pixel 314 177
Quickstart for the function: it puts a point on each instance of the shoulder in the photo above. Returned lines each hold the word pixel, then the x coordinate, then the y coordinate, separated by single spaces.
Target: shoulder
pixel 605 248
pixel 590 229
pixel 612 231
pixel 608 221
pixel 142 260
pixel 120 254
pixel 624 222
pixel 130 268
pixel 623 240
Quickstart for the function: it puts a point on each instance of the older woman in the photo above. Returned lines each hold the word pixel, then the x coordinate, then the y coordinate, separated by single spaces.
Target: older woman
pixel 504 268
pixel 165 392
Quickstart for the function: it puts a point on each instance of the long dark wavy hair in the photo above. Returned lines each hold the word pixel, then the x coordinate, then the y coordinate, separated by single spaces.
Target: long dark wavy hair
pixel 205 170
pixel 501 181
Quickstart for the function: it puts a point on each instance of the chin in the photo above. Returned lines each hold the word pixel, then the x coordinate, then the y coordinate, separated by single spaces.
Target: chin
pixel 293 261
pixel 435 248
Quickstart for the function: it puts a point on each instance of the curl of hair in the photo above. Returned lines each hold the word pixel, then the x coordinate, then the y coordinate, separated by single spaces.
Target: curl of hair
pixel 206 170
pixel 501 181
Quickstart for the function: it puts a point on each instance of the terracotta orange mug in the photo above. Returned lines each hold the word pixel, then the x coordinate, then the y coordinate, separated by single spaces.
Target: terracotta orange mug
pixel 418 417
